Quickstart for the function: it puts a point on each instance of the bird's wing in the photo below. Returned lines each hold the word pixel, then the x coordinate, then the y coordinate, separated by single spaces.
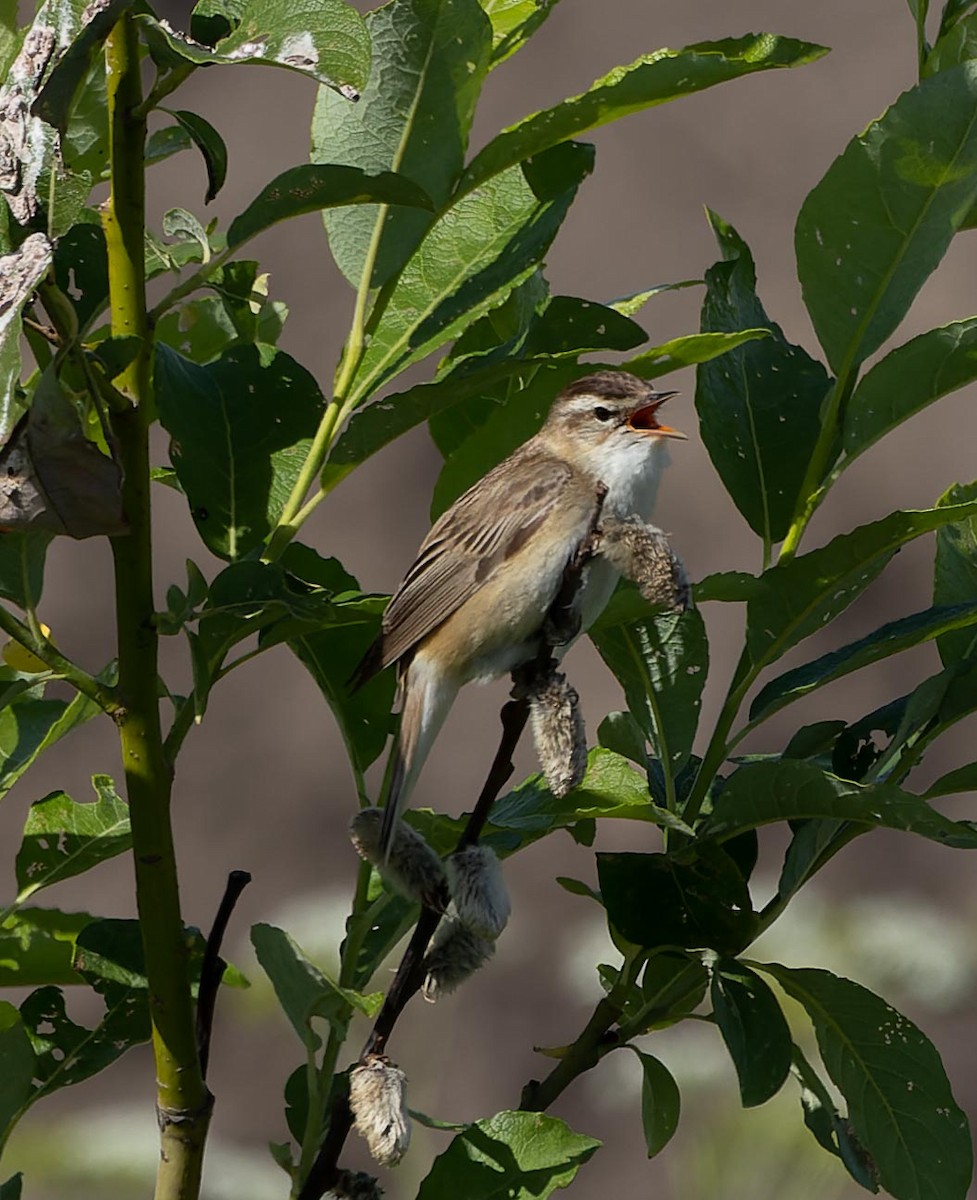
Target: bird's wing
pixel 482 530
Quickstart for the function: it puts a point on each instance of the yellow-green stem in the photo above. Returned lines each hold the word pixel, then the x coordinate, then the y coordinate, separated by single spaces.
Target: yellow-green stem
pixel 183 1102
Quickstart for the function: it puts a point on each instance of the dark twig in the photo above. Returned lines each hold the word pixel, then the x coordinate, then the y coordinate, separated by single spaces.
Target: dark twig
pixel 213 967
pixel 560 626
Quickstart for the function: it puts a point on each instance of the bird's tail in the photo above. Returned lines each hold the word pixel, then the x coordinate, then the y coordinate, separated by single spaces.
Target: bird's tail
pixel 426 696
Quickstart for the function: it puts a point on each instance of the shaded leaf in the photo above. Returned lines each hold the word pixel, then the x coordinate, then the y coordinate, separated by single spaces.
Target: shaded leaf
pixel 654 900
pixel 37 947
pixel 954 47
pixel 326 40
pixel 907 380
pixel 240 430
pixel 29 725
pixel 660 1103
pixel 16 1065
pixel 791 789
pixel 429 62
pixel 753 1028
pixel 311 187
pixel 620 732
pixel 511 1156
pixel 880 220
pixel 662 662
pixel 210 144
pixel 62 838
pixel 672 984
pixel 955 571
pixel 22 556
pixel 961 779
pixel 899 1100
pixel 760 404
pixel 470 260
pixel 653 79
pixel 891 638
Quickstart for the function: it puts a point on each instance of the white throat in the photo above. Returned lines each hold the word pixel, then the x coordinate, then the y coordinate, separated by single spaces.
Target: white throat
pixel 631 470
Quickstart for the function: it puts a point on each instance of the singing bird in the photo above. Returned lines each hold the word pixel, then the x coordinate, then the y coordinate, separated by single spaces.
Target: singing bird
pixel 473 605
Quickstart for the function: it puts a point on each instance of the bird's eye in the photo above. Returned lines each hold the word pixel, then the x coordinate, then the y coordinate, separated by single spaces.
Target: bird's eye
pixel 603 414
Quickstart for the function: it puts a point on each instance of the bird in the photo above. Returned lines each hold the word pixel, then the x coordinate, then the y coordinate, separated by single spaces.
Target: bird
pixel 473 605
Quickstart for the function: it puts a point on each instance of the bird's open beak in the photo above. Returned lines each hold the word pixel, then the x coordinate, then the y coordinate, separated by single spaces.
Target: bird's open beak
pixel 645 420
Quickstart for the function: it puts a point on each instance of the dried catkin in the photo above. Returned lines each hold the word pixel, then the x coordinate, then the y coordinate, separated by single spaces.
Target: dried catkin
pixel 413 869
pixel 378 1102
pixel 478 891
pixel 558 732
pixel 642 554
pixel 455 954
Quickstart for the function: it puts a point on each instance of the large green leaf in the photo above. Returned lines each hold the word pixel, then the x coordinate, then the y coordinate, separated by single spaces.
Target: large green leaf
pixel 759 404
pixel 899 1100
pixel 302 989
pixel 662 662
pixel 795 598
pixel 956 46
pixel 511 1156
pixel 791 790
pixel 326 40
pixel 513 23
pixel 22 556
pixel 656 900
pixel 240 431
pixel 688 351
pixel 429 61
pixel 16 1066
pixel 312 186
pixel 891 638
pixel 955 571
pixel 754 1029
pixel 63 838
pixel 29 725
pixel 653 79
pixel 907 380
pixel 37 947
pixel 470 260
pixel 876 226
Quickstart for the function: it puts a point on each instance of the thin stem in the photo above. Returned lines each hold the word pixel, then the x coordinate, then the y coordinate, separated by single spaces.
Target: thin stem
pixel 213 966
pixel 183 1102
pixel 190 284
pixel 162 88
pixel 32 640
pixel 287 525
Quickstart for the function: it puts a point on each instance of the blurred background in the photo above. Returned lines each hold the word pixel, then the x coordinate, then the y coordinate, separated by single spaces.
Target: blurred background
pixel 263 784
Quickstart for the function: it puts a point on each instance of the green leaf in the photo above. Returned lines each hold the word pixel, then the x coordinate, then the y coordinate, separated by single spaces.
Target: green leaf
pixel 689 350
pixel 81 266
pixel 660 1103
pixel 326 40
pixel 760 404
pixel 792 789
pixel 955 570
pixel 511 1156
pixel 22 556
pixel 29 725
pixel 164 143
pixel 661 662
pixel 568 325
pixel 11 1189
pixel 907 380
pixel 961 779
pixel 37 947
pixel 16 1065
pixel 183 226
pixel 62 838
pixel 653 79
pixel 20 271
pixel 311 187
pixel 672 985
pixel 429 62
pixel 620 732
pixel 302 989
pixel 891 638
pixel 753 1028
pixel 210 144
pixel 240 430
pixel 873 230
pixel 513 23
pixel 956 46
pixel 794 598
pixel 654 900
pixel 8 52
pixel 899 1100
pixel 470 260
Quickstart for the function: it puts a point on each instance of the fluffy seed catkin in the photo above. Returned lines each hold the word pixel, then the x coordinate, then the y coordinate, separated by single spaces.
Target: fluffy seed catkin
pixel 642 554
pixel 354 1185
pixel 478 891
pixel 455 954
pixel 558 732
pixel 413 869
pixel 378 1102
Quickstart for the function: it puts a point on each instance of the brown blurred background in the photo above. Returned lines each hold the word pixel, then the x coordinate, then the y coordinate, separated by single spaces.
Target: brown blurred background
pixel 263 785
